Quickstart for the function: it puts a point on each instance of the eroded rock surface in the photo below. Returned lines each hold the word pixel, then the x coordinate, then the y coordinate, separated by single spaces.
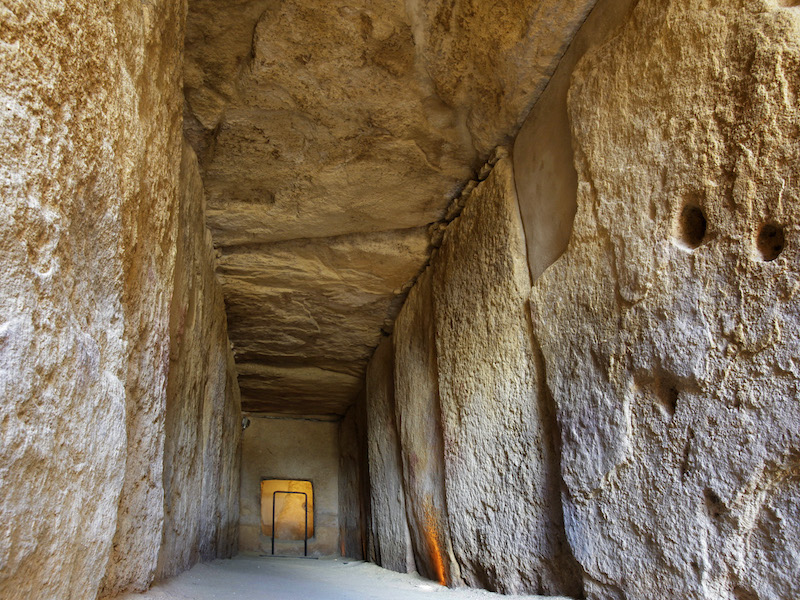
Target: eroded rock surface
pixel 669 327
pixel 419 429
pixel 202 415
pixel 85 281
pixel 474 423
pixel 149 177
pixel 90 184
pixel 327 122
pixel 392 542
pixel 500 468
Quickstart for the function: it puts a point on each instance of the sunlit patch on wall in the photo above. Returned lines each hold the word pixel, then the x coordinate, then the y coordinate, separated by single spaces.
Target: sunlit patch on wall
pixel 432 536
pixel 290 508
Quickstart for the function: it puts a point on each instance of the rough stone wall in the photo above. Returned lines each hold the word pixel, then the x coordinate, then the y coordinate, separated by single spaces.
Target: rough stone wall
pixel 149 38
pixel 287 448
pixel 500 464
pixel 89 178
pixel 203 419
pixel 91 144
pixel 476 432
pixel 669 327
pixel 391 538
pixel 354 481
pixel 419 429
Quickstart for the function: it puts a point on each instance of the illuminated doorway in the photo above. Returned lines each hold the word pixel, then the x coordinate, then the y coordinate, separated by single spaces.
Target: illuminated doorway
pixel 293 503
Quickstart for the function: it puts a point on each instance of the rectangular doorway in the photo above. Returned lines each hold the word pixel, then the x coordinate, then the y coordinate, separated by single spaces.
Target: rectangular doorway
pixel 290 508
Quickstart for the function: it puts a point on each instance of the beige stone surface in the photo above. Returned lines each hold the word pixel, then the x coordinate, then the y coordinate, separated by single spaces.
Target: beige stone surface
pixel 671 343
pixel 491 60
pixel 88 175
pixel 276 447
pixel 202 414
pixel 148 35
pixel 419 430
pixel 501 466
pixel 354 496
pixel 320 119
pixel 306 314
pixel 544 162
pixel 392 541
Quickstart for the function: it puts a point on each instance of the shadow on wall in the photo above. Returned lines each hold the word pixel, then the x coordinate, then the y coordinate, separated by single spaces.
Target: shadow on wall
pixel 544 163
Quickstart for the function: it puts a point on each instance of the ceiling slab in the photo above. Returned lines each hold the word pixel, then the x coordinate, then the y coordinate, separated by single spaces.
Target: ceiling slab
pixel 330 135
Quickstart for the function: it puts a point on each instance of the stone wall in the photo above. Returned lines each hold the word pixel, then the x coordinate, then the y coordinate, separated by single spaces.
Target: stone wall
pixel 390 535
pixel 354 495
pixel 419 428
pixel 644 421
pixel 150 133
pixel 669 327
pixel 477 483
pixel 90 179
pixel 288 448
pixel 203 419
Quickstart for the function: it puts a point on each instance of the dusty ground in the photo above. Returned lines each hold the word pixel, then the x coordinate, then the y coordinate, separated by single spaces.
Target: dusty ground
pixel 256 578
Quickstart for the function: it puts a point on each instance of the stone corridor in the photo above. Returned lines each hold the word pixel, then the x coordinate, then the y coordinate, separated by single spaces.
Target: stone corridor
pixel 481 297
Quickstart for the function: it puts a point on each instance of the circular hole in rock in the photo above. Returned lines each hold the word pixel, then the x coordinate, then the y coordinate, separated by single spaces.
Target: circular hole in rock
pixel 770 241
pixel 692 226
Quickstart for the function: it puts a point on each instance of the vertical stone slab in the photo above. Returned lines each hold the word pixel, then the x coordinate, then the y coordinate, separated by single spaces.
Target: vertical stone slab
pixel 544 164
pixel 670 326
pixel 353 471
pixel 500 464
pixel 392 541
pixel 419 428
pixel 90 131
pixel 201 477
pixel 62 395
pixel 148 35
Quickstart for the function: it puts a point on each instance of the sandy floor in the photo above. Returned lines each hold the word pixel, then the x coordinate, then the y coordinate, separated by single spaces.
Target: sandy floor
pixel 257 578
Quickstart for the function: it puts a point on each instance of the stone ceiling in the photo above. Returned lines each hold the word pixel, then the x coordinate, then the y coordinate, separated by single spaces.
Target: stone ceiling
pixel 331 134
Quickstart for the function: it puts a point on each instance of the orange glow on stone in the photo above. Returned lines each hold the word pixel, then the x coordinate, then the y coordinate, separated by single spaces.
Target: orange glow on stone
pixel 432 535
pixel 290 509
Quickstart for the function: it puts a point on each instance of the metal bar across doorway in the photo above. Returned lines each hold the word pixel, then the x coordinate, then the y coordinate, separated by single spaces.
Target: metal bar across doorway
pixel 305 505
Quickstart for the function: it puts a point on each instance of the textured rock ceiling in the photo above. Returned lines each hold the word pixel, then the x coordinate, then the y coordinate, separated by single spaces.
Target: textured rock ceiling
pixel 331 134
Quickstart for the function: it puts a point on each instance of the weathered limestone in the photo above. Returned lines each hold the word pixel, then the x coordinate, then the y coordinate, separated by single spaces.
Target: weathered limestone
pixel 351 124
pixel 544 162
pixel 90 179
pixel 632 432
pixel 306 314
pixel 354 498
pixel 203 419
pixel 149 177
pixel 89 149
pixel 284 448
pixel 419 429
pixel 491 60
pixel 669 327
pixel 500 464
pixel 391 538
